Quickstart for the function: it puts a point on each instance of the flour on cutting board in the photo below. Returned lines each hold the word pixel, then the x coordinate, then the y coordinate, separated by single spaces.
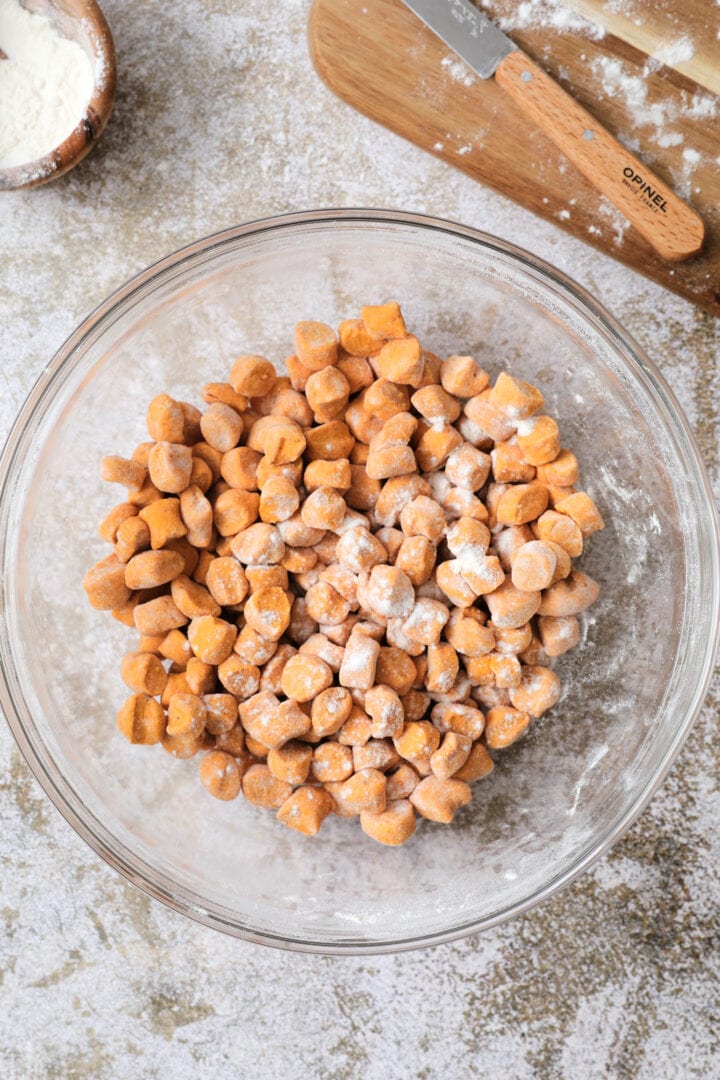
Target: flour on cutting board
pixel 626 85
pixel 675 52
pixel 652 119
pixel 458 70
pixel 618 80
pixel 621 82
pixel 615 220
pixel 547 13
pixel 669 138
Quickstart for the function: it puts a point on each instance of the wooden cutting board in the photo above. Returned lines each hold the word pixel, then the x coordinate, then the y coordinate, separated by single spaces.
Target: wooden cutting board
pixel 376 55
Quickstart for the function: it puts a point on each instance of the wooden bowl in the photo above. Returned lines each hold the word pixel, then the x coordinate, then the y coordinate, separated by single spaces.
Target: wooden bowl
pixel 81 21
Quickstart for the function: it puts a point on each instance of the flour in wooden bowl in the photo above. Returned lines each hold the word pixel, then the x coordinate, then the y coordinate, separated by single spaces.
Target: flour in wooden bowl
pixel 46 83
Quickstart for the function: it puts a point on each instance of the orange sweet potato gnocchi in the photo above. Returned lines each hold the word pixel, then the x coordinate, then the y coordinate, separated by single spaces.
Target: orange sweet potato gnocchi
pixel 349 586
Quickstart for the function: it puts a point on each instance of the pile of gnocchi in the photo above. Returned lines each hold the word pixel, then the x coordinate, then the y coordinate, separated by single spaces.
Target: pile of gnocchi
pixel 348 583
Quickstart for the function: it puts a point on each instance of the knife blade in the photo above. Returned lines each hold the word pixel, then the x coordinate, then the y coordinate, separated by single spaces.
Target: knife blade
pixel 467 31
pixel 672 228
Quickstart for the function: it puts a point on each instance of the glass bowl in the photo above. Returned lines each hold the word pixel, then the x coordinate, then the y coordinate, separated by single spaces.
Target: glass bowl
pixel 558 798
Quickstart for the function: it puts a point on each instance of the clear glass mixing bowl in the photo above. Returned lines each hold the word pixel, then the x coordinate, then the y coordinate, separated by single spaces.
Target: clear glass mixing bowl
pixel 558 798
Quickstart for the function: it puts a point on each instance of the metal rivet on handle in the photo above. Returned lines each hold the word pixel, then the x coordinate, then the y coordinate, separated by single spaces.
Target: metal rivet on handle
pixel 588 134
pixel 526 76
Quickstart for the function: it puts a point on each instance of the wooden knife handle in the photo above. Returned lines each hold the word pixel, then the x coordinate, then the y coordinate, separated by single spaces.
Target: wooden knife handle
pixel 674 230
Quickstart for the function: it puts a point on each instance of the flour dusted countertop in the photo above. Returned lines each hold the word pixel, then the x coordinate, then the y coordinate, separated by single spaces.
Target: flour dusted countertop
pixel 220 119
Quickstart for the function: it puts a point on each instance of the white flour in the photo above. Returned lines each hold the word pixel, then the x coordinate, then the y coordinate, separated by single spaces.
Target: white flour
pixel 45 85
pixel 675 52
pixel 620 80
pixel 548 13
pixel 457 70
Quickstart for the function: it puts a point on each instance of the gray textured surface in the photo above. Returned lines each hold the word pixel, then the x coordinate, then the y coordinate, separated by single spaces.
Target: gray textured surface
pixel 220 119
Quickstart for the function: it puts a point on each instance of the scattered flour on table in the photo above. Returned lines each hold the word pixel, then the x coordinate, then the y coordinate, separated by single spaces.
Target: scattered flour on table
pixel 45 86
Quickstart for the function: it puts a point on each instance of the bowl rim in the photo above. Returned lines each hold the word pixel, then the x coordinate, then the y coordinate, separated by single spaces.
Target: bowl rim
pixel 66 800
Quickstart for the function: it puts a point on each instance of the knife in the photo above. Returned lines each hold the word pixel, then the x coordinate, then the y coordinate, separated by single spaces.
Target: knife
pixel 673 229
